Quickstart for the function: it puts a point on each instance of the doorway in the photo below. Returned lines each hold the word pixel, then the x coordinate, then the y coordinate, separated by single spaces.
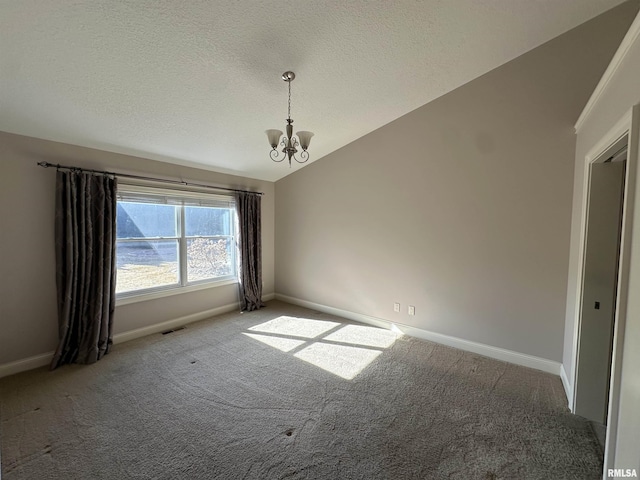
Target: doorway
pixel 599 292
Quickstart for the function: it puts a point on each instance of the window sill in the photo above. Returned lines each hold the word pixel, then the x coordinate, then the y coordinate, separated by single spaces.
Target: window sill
pixel 143 297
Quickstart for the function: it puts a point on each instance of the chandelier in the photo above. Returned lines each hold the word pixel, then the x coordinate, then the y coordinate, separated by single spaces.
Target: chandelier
pixel 289 142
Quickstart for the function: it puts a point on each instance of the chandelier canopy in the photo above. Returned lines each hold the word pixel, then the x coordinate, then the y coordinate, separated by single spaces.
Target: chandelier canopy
pixel 289 142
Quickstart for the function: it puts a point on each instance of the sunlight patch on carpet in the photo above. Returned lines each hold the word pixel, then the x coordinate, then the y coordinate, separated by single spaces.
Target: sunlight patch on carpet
pixel 282 344
pixel 343 350
pixel 346 362
pixel 363 335
pixel 298 327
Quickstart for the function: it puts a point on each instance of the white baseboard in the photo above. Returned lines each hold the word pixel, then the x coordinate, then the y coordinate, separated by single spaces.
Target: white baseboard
pixel 169 324
pixel 568 388
pixel 44 359
pixel 25 364
pixel 178 322
pixel 479 348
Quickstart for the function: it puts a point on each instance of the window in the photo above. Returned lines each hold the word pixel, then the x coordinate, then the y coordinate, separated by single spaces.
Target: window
pixel 170 239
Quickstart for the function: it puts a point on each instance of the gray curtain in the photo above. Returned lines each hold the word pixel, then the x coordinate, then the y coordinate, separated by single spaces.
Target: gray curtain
pixel 250 246
pixel 85 230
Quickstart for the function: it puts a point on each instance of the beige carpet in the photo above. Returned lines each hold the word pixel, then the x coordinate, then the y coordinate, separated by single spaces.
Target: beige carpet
pixel 287 393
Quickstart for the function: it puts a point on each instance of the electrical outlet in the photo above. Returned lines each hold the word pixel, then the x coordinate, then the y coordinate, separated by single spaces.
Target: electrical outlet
pixel 396 307
pixel 412 310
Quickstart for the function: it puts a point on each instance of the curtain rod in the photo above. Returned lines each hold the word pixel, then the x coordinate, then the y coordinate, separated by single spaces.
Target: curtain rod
pixel 141 177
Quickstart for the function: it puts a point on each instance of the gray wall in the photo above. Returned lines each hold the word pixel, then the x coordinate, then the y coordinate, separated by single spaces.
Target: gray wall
pixel 621 93
pixel 28 324
pixel 461 208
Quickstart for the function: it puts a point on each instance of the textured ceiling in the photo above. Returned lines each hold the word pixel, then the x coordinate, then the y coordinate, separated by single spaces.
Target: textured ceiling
pixel 197 82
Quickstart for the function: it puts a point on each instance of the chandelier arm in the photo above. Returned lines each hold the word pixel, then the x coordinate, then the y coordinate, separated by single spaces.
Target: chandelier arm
pixel 304 155
pixel 275 156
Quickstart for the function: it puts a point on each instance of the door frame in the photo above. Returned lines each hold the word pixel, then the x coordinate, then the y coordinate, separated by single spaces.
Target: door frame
pixel 627 126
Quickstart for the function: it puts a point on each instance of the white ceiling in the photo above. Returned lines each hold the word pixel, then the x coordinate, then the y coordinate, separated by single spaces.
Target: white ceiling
pixel 196 82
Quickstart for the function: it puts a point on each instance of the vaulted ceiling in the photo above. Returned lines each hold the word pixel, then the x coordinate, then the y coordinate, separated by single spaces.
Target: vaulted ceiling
pixel 197 82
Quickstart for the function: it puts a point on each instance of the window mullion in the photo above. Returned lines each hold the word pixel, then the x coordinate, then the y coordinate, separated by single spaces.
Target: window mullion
pixel 183 247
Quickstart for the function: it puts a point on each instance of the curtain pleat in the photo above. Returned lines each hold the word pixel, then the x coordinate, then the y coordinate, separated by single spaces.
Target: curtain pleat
pixel 85 236
pixel 250 246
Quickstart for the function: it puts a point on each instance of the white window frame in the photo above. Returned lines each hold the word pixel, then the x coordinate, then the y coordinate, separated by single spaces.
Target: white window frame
pixel 182 198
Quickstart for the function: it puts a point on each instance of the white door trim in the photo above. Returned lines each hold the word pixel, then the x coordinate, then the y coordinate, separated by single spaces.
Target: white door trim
pixel 626 126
